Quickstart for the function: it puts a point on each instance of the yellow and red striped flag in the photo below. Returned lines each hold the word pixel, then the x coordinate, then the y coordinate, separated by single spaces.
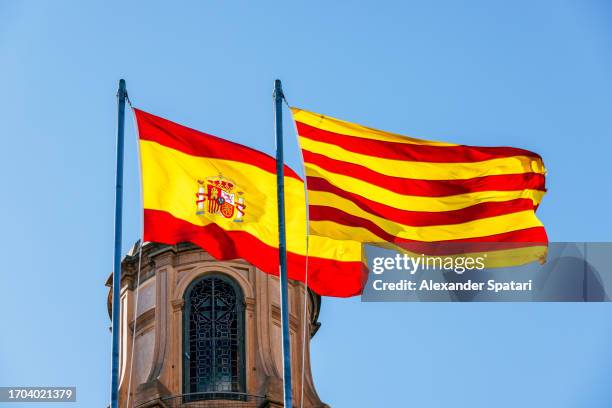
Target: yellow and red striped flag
pixel 378 187
pixel 221 196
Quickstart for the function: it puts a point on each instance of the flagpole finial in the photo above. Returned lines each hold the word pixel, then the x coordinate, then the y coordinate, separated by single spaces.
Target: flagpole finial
pixel 122 91
pixel 278 90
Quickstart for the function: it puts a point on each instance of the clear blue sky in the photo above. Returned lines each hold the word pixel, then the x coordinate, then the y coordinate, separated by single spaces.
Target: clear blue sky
pixel 531 74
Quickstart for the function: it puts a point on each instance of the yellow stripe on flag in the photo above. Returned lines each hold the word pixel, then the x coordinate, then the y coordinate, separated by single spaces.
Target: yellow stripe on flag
pixel 352 129
pixel 170 181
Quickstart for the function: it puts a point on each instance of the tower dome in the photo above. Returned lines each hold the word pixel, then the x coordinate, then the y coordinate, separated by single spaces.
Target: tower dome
pixel 207 333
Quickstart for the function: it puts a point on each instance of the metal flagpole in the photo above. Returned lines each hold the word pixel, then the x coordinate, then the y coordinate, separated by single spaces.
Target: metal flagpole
pixel 121 97
pixel 282 245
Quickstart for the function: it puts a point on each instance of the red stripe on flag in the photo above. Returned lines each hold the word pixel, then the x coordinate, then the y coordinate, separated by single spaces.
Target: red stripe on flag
pixel 196 143
pixel 535 234
pixel 422 218
pixel 429 188
pixel 410 152
pixel 326 277
pixel 432 218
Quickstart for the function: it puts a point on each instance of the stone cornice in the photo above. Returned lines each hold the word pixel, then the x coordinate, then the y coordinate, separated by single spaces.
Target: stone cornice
pixel 144 319
pixel 294 322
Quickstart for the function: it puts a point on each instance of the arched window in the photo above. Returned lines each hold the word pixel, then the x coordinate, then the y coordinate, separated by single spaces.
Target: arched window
pixel 213 321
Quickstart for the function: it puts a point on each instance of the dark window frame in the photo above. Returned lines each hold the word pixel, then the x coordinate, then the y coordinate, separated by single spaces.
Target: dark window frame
pixel 212 391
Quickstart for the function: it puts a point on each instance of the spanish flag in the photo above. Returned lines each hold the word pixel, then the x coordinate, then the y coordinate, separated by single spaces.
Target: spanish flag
pixel 423 196
pixel 221 196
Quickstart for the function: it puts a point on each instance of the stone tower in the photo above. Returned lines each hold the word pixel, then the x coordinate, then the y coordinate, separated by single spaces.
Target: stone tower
pixel 207 332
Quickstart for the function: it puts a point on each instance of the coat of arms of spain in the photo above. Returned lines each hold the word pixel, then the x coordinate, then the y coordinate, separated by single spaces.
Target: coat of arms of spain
pixel 220 196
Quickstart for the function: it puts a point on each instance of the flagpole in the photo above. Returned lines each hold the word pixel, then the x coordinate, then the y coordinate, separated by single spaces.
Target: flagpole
pixel 121 97
pixel 282 244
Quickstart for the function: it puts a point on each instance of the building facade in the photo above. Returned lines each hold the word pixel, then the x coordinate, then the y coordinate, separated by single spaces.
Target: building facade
pixel 206 333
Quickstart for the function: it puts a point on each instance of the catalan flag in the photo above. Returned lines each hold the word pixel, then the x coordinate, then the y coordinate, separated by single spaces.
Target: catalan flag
pixel 384 188
pixel 221 196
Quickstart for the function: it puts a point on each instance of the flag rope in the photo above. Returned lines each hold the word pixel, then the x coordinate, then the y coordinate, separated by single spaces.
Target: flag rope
pixel 304 321
pixel 140 245
pixel 305 306
pixel 135 318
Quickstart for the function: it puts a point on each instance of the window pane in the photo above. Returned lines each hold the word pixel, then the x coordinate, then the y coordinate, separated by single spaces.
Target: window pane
pixel 215 338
